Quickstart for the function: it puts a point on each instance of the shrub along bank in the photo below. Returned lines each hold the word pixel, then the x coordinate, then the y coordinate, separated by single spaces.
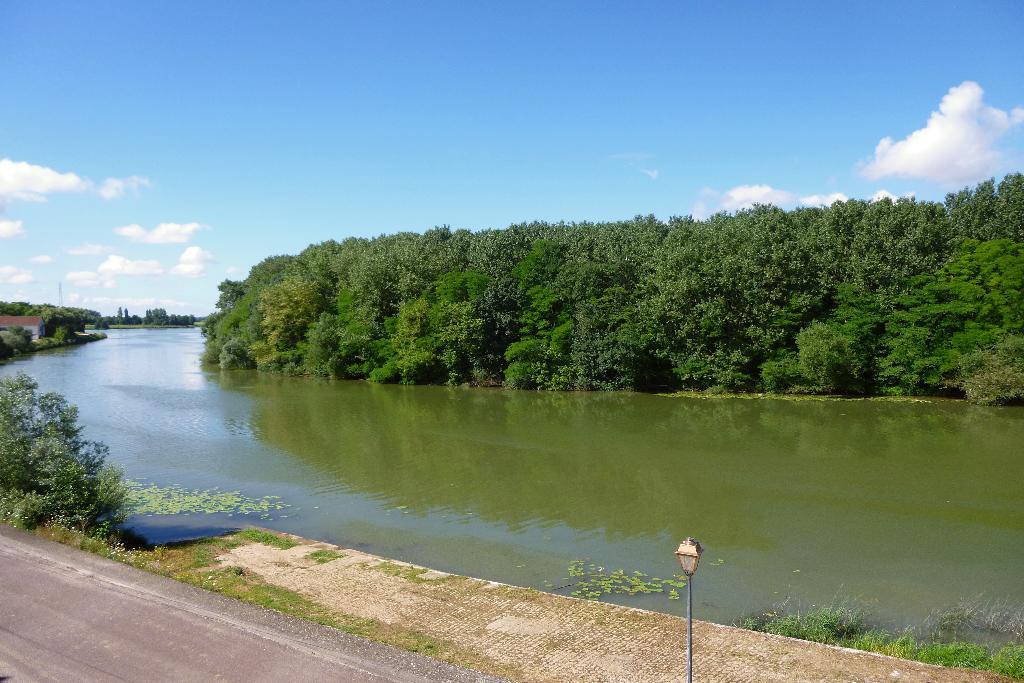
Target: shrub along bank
pixel 49 474
pixel 860 297
pixel 18 340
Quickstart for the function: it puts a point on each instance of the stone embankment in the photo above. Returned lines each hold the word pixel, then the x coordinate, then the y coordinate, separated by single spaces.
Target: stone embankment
pixel 526 635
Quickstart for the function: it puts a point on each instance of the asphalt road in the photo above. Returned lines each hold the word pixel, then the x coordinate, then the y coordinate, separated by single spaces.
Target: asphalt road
pixel 67 615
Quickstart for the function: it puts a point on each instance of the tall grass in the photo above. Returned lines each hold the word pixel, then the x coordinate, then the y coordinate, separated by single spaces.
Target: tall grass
pixel 848 627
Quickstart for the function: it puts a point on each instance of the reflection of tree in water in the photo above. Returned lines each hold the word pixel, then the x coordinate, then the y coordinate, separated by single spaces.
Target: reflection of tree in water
pixel 627 464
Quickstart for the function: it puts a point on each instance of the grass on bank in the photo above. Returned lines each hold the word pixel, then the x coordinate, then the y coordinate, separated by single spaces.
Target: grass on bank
pixel 839 625
pixel 324 556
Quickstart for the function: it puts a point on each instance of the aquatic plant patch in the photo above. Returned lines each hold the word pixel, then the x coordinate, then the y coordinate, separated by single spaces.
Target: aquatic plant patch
pixel 591 581
pixel 150 499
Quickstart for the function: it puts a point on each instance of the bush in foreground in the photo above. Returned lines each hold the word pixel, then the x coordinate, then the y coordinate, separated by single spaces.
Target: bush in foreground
pixel 48 472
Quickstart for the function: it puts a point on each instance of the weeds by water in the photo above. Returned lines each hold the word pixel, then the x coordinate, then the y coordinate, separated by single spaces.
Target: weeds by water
pixel 268 538
pixel 847 627
pixel 324 556
pixel 977 615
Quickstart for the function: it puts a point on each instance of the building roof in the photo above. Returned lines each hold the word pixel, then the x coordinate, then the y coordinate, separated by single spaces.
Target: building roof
pixel 22 320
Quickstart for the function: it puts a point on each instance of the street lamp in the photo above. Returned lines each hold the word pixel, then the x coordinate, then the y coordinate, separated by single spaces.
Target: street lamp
pixel 688 555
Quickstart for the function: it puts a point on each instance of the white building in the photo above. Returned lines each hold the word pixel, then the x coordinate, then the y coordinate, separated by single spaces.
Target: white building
pixel 32 323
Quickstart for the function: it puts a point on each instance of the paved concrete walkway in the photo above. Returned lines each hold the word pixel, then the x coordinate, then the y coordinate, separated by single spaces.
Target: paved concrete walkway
pixel 539 637
pixel 66 615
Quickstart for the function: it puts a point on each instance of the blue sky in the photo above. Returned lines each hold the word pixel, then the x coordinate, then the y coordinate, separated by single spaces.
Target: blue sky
pixel 177 144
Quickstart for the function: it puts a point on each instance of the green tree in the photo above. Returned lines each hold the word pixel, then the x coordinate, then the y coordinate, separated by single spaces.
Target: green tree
pixel 994 375
pixel 287 308
pixel 644 303
pixel 48 472
pixel 968 304
pixel 826 361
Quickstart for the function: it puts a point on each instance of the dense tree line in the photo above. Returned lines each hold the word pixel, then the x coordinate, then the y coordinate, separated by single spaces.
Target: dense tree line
pixel 861 297
pixel 153 317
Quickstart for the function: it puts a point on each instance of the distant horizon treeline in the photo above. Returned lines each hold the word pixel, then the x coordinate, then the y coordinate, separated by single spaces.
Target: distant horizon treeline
pixel 72 319
pixel 154 316
pixel 883 297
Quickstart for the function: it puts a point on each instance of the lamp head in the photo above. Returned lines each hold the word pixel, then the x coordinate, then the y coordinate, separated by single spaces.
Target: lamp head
pixel 688 555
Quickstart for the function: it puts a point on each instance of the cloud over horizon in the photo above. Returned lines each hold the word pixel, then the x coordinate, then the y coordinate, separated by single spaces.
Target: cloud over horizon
pixel 88 249
pixel 10 229
pixel 823 199
pixel 115 188
pixel 192 262
pixel 119 265
pixel 12 275
pixel 956 146
pixel 164 233
pixel 88 278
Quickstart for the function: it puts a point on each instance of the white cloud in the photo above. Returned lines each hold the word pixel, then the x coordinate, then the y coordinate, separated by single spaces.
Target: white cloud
pixel 88 249
pixel 88 278
pixel 119 265
pixel 42 258
pixel 164 233
pixel 885 194
pixel 957 145
pixel 115 188
pixel 651 173
pixel 9 275
pixel 9 229
pixel 823 199
pixel 20 180
pixel 192 262
pixel 746 196
pixel 231 270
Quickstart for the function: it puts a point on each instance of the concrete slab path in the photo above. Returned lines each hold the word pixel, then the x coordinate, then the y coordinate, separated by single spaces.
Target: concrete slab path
pixel 539 637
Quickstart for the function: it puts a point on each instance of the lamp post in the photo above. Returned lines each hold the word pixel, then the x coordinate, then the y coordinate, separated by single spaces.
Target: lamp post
pixel 688 555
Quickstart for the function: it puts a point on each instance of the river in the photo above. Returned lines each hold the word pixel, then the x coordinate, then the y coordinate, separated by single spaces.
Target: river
pixel 899 507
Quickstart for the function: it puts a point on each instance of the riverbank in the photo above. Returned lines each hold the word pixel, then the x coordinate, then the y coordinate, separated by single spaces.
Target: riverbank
pixel 48 343
pixel 517 633
pixel 753 395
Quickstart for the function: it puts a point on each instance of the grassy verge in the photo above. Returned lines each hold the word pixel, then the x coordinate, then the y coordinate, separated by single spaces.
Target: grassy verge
pixel 848 628
pixel 195 563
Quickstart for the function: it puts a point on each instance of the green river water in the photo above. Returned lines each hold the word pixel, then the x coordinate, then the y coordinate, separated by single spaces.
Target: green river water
pixel 900 507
